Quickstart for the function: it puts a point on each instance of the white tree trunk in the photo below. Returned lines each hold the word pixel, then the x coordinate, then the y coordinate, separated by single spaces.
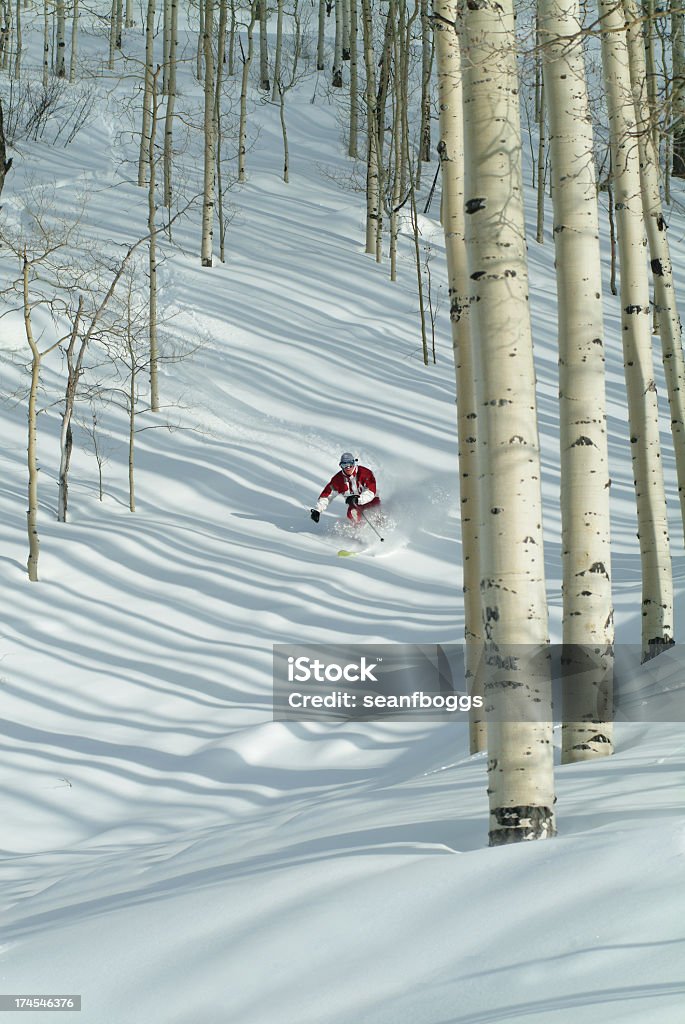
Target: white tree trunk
pixel 200 40
pixel 337 79
pixel 32 463
pixel 60 61
pixel 119 24
pixel 66 438
pixel 264 83
pixel 678 88
pixel 5 35
pixel 210 140
pixel 132 432
pixel 320 39
pixel 353 148
pixel 166 52
pixel 17 36
pixel 520 765
pixel 112 33
pixel 231 41
pixel 247 60
pixel 372 174
pixel 585 520
pixel 46 44
pixel 152 252
pixel 170 106
pixel 659 250
pixel 279 49
pixel 74 41
pixel 345 29
pixel 218 126
pixel 643 412
pixel 426 70
pixel 144 157
pixel 451 153
pixel 397 152
pixel 32 440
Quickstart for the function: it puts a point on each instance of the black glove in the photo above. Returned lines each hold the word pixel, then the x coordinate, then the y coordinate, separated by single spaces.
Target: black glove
pixel 315 514
pixel 352 499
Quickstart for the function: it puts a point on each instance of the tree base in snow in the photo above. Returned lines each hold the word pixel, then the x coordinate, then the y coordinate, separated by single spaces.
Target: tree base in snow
pixel 520 824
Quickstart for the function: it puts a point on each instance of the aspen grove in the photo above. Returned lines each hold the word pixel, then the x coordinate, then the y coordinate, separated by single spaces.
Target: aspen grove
pixel 447 116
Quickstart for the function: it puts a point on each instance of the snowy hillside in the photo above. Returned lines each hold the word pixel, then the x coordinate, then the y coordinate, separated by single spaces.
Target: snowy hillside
pixel 169 851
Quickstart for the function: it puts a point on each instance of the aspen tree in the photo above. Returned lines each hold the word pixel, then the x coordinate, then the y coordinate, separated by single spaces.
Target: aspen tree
pixel 247 60
pixel 74 361
pixel 373 198
pixel 651 76
pixel 171 105
pixel 144 156
pixel 659 250
pixel 541 124
pixel 512 589
pixel 209 139
pixel 112 33
pixel 5 164
pixel 413 213
pixel 31 451
pixel 666 94
pixel 74 40
pixel 321 37
pixel 678 86
pixel 132 399
pixel 5 34
pixel 129 14
pixel 152 248
pixel 397 152
pixel 119 24
pixel 17 36
pixel 124 349
pixel 60 60
pixel 406 26
pixel 345 4
pixel 200 40
pixel 220 60
pixel 337 79
pixel 284 87
pixel 353 148
pixel 643 413
pixel 83 329
pixel 166 44
pixel 451 154
pixel 379 117
pixel 384 79
pixel 279 48
pixel 426 70
pixel 585 516
pixel 264 83
pixel 46 44
pixel 231 41
pixel 539 231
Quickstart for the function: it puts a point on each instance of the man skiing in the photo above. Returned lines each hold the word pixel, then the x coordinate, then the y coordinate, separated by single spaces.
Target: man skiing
pixel 356 483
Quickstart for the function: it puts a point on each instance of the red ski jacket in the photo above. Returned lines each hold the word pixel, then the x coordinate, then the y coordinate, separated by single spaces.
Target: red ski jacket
pixel 361 482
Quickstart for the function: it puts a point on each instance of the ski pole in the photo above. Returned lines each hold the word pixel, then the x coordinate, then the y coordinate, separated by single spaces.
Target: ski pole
pixel 369 523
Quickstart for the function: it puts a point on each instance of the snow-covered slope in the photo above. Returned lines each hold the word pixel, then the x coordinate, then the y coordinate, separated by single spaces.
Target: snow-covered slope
pixel 169 851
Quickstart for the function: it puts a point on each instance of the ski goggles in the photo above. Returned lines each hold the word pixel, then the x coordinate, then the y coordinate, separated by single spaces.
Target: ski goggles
pixel 347 465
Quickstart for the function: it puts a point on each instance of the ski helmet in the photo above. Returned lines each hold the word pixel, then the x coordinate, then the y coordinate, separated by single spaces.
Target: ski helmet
pixel 347 460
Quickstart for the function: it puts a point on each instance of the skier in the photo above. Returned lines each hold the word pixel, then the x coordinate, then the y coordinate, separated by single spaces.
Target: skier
pixel 356 483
